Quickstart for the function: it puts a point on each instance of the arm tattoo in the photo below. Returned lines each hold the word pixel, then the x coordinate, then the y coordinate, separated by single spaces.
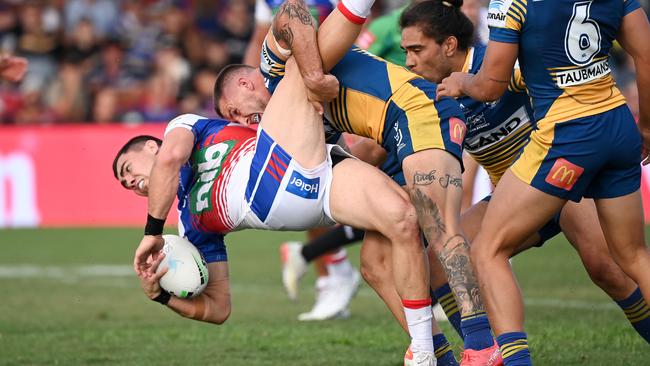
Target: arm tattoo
pixel 297 10
pixel 282 22
pixel 284 34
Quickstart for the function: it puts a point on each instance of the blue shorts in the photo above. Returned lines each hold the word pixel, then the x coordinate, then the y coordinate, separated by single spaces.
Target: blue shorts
pixel 597 156
pixel 548 231
pixel 415 121
pixel 213 251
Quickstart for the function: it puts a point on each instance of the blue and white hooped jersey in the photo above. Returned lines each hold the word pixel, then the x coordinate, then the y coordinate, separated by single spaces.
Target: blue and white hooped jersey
pixel 563 52
pixel 496 131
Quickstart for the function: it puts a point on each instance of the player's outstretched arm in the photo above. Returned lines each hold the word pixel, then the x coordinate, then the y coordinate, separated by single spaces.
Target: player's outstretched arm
pixel 490 82
pixel 335 36
pixel 293 33
pixel 163 184
pixel 633 36
pixel 212 305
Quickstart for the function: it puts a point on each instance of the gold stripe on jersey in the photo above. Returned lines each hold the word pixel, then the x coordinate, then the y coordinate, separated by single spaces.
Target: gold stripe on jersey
pixel 467 65
pixel 534 153
pixel 498 158
pixel 422 116
pixel 516 15
pixel 397 75
pixel 358 113
pixel 517 83
pixel 584 100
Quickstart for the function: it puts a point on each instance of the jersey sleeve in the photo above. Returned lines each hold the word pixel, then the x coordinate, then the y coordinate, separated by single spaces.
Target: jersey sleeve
pixel 263 12
pixel 186 121
pixel 506 19
pixel 630 6
pixel 271 66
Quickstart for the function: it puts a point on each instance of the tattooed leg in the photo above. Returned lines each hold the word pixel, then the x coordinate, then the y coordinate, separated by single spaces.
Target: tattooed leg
pixel 436 195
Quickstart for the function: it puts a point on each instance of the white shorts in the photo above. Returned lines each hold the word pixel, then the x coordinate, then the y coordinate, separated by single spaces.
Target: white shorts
pixel 282 195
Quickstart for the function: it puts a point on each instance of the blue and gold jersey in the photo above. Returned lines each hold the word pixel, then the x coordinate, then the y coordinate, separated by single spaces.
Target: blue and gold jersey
pixel 563 52
pixel 496 131
pixel 367 84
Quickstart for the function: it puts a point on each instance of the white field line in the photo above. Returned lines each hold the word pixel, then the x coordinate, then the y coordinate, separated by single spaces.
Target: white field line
pixel 76 273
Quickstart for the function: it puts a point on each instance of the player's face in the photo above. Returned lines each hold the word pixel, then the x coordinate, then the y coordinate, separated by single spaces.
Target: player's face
pixel 134 168
pixel 244 101
pixel 424 56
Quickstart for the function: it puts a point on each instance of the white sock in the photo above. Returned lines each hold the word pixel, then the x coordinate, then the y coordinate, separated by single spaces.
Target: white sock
pixel 338 264
pixel 419 324
pixel 355 10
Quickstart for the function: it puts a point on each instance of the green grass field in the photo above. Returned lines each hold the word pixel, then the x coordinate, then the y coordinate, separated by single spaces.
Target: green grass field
pixel 56 310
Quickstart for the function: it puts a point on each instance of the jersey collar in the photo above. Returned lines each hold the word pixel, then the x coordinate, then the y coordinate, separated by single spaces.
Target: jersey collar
pixel 469 60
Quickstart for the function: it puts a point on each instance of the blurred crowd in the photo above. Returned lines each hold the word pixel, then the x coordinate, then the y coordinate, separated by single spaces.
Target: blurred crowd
pixel 130 61
pixel 118 60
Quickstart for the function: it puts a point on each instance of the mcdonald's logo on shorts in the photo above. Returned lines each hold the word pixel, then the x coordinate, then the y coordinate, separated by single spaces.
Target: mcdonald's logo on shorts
pixel 457 130
pixel 564 174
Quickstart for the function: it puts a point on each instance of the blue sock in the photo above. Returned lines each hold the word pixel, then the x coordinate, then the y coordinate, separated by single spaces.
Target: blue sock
pixel 443 351
pixel 638 313
pixel 448 303
pixel 514 349
pixel 476 331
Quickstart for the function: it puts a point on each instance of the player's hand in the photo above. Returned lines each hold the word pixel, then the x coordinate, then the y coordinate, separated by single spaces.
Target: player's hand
pixel 12 68
pixel 149 246
pixel 149 279
pixel 321 89
pixel 451 86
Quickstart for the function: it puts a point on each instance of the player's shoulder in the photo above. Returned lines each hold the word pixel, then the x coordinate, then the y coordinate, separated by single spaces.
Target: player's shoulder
pixel 498 11
pixel 191 121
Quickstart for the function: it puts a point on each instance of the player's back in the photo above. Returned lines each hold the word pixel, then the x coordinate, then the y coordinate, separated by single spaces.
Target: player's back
pixel 214 179
pixel 563 52
pixel 367 84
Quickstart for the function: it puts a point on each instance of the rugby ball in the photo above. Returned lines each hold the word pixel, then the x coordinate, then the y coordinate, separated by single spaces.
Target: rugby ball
pixel 187 275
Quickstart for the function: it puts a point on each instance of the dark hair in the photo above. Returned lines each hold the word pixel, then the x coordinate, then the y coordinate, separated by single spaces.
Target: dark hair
pixel 225 75
pixel 133 144
pixel 440 19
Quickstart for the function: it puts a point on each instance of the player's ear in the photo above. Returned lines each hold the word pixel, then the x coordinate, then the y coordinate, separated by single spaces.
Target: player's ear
pixel 244 82
pixel 151 146
pixel 450 46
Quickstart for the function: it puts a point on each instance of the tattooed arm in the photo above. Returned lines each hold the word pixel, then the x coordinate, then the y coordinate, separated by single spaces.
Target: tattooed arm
pixel 294 34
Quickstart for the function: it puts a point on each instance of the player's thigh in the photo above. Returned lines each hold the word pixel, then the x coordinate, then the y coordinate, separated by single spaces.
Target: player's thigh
pixel 433 176
pixel 516 211
pixel 470 220
pixel 621 219
pixel 363 197
pixel 580 225
pixel 292 122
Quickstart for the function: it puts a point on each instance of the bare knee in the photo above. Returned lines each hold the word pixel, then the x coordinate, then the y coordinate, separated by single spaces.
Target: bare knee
pixel 374 270
pixel 484 251
pixel 402 223
pixel 607 275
